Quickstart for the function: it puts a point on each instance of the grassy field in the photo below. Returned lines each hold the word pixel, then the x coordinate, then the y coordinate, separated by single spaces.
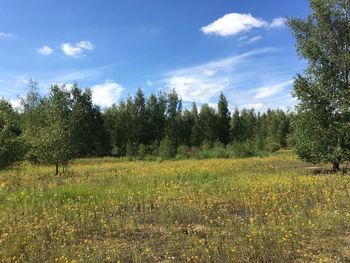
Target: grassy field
pixel 219 210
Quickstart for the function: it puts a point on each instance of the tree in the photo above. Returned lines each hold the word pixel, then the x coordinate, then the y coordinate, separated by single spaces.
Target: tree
pixel 155 112
pixel 321 127
pixel 140 120
pixel 196 134
pixel 32 99
pixel 208 124
pixel 11 148
pixel 236 126
pixel 224 118
pixel 90 136
pixel 173 117
pixel 52 142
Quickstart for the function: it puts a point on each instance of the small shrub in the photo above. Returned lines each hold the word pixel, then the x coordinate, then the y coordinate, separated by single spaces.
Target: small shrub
pixel 183 152
pixel 142 152
pixel 166 149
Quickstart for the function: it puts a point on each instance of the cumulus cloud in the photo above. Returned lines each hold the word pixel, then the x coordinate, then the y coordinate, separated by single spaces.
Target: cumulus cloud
pixel 278 22
pixel 233 24
pixel 190 88
pixel 45 50
pixel 236 23
pixel 77 49
pixel 269 90
pixel 107 93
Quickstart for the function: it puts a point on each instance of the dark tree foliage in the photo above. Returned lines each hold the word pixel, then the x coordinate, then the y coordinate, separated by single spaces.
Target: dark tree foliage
pixel 224 118
pixel 90 136
pixel 11 147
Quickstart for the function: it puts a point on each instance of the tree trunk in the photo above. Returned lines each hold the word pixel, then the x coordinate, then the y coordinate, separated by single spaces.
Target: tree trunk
pixel 336 167
pixel 56 169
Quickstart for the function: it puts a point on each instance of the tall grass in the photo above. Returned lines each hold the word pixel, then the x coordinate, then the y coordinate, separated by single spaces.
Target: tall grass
pixel 216 210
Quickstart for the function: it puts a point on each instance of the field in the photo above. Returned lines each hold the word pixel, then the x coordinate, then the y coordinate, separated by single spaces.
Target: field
pixel 220 210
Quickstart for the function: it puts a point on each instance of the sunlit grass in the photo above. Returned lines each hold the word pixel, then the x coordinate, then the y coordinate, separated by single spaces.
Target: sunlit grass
pixel 219 210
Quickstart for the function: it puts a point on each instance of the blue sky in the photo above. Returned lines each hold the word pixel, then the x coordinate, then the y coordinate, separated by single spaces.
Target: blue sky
pixel 199 47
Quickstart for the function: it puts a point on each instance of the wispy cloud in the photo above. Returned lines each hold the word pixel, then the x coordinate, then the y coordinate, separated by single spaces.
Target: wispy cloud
pixel 247 41
pixel 269 90
pixel 5 35
pixel 235 23
pixel 239 78
pixel 203 82
pixel 77 49
pixel 45 50
pixel 107 93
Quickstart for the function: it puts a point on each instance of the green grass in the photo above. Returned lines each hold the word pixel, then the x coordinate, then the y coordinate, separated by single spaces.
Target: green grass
pixel 219 210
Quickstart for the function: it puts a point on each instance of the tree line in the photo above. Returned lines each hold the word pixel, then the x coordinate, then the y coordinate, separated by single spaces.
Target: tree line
pixel 66 124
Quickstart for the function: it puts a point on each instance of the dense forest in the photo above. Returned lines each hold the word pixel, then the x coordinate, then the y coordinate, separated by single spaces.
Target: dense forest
pixel 66 124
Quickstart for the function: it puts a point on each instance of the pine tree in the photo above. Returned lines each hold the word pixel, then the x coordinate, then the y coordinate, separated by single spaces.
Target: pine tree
pixel 224 118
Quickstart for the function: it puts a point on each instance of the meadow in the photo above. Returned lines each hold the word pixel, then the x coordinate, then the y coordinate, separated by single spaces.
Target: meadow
pixel 267 209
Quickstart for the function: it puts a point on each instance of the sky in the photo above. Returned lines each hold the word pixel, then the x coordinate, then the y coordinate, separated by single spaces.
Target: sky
pixel 201 48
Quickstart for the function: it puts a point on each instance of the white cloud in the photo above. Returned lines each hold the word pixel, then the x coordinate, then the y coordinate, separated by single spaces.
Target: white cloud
pixel 16 103
pixel 278 22
pixel 256 106
pixel 233 24
pixel 268 91
pixel 5 35
pixel 77 49
pixel 45 50
pixel 190 88
pixel 85 45
pixel 107 93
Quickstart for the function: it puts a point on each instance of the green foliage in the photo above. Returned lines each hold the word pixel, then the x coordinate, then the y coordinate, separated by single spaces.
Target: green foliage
pixel 50 138
pixel 224 119
pixel 90 136
pixel 69 120
pixel 130 151
pixel 183 152
pixel 167 148
pixel 322 123
pixel 142 152
pixel 11 147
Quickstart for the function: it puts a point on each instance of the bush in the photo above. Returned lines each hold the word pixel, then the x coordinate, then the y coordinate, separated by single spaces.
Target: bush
pixel 142 152
pixel 129 150
pixel 183 152
pixel 245 149
pixel 166 149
